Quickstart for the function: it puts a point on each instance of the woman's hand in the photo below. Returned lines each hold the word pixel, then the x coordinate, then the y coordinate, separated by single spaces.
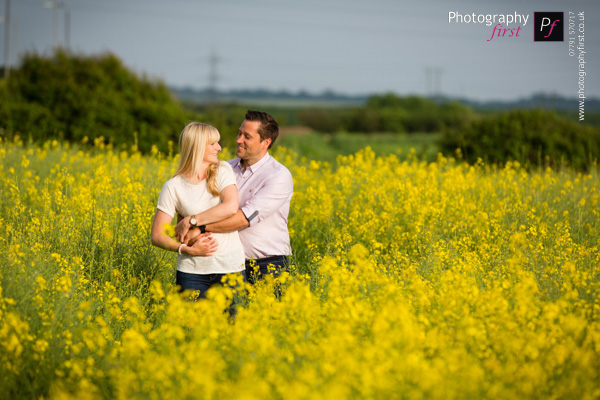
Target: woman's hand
pixel 197 245
pixel 201 245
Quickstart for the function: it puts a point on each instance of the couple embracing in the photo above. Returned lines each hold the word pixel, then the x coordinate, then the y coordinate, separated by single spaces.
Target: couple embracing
pixel 232 215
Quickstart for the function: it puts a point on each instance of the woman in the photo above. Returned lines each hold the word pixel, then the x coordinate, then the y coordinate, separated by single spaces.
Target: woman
pixel 203 190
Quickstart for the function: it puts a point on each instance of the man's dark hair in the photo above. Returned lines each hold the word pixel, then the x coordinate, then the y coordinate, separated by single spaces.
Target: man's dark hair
pixel 269 128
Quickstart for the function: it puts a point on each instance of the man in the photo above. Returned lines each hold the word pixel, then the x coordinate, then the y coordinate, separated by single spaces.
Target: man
pixel 265 190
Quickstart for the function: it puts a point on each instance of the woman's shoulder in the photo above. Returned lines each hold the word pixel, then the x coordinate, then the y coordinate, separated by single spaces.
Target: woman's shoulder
pixel 174 182
pixel 177 179
pixel 225 164
pixel 225 167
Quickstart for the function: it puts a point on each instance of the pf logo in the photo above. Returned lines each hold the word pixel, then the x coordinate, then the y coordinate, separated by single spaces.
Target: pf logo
pixel 548 26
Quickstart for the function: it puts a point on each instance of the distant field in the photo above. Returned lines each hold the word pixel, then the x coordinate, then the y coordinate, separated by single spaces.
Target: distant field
pixel 326 147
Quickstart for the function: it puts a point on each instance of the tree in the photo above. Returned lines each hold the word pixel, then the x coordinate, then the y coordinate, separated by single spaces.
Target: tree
pixel 70 97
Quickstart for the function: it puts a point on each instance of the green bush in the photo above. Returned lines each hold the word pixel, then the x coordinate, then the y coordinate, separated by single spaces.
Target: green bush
pixel 71 96
pixel 390 113
pixel 417 114
pixel 324 120
pixel 364 120
pixel 532 137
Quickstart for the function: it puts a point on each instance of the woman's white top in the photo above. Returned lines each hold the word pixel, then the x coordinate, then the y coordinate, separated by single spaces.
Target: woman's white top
pixel 178 195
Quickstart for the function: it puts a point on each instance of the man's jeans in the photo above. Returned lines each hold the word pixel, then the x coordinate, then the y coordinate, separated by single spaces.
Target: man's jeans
pixel 274 266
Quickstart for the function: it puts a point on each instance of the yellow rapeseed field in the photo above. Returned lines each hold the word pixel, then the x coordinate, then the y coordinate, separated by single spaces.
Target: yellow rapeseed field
pixel 411 280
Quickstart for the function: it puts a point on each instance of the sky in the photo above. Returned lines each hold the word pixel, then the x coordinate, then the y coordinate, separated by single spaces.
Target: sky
pixel 347 46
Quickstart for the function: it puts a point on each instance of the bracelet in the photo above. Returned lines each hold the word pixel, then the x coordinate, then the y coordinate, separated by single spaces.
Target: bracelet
pixel 179 249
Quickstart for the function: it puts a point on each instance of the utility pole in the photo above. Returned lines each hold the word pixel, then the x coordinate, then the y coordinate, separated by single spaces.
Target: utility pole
pixel 213 76
pixel 7 40
pixel 438 82
pixel 428 90
pixel 56 24
pixel 56 5
pixel 67 26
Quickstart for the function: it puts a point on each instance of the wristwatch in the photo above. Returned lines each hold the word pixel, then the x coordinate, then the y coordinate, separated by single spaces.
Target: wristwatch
pixel 193 222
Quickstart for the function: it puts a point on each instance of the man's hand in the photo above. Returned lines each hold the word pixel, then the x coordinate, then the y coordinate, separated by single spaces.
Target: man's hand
pixel 191 239
pixel 182 229
pixel 201 245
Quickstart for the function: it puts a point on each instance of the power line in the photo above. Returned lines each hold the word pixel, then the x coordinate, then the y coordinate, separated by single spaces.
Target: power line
pixel 181 14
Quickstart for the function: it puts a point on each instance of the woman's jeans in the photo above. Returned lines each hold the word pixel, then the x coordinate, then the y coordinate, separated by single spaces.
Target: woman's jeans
pixel 200 283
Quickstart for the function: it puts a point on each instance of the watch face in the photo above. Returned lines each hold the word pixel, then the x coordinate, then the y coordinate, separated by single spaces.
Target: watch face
pixel 193 221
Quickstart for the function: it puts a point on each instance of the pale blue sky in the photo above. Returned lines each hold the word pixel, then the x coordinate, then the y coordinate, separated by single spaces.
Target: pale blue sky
pixel 349 46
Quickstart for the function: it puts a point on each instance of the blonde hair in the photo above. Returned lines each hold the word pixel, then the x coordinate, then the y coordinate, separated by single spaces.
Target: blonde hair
pixel 192 144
